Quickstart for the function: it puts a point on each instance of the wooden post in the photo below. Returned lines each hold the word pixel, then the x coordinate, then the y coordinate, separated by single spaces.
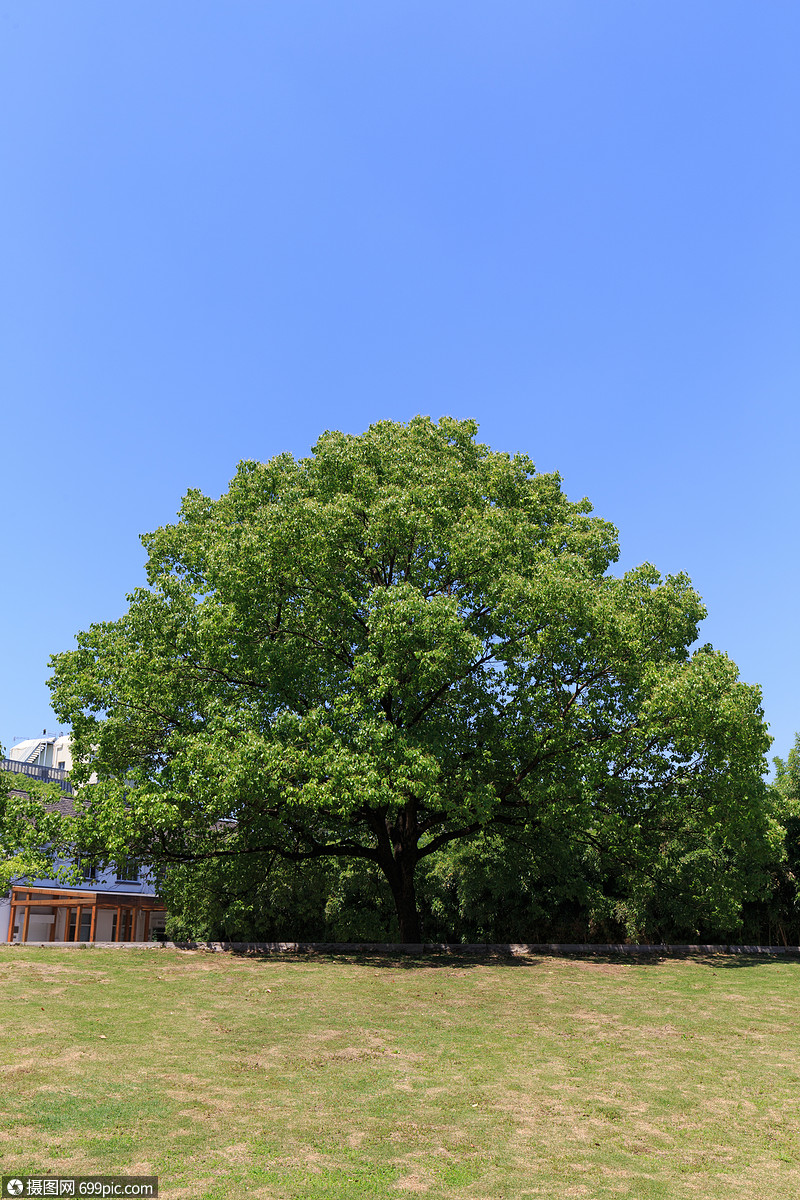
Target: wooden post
pixel 94 920
pixel 119 918
pixel 25 923
pixel 146 932
pixel 11 916
pixel 77 924
pixel 132 933
pixel 52 937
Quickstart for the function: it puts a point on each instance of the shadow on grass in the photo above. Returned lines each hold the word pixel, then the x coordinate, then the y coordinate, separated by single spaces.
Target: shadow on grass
pixel 394 962
pixel 459 960
pixel 729 962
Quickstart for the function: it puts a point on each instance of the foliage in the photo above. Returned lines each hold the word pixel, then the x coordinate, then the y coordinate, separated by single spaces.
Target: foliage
pixel 33 831
pixel 776 916
pixel 491 889
pixel 257 901
pixel 787 777
pixel 399 644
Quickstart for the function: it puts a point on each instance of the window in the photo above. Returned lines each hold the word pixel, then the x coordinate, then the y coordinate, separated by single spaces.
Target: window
pixel 128 870
pixel 126 919
pixel 88 870
pixel 86 925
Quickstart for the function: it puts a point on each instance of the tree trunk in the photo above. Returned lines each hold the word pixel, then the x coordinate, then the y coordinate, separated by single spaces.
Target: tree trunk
pixel 398 854
pixel 405 899
pixel 400 872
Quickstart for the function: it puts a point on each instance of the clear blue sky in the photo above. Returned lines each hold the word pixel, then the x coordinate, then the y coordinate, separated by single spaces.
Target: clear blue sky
pixel 228 226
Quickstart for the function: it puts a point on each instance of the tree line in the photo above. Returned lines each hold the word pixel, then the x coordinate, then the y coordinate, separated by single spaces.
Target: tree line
pixel 395 690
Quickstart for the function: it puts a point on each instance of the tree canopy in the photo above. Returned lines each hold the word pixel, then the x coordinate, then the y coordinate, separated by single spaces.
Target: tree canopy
pixel 396 644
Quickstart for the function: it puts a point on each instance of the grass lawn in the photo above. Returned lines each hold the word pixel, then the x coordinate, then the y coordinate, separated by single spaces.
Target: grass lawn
pixel 364 1077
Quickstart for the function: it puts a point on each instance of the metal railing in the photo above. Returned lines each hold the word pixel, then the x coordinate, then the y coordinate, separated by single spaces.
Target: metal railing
pixel 43 774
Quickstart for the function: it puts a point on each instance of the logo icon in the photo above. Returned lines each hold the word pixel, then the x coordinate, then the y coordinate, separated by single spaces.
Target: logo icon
pixel 14 1187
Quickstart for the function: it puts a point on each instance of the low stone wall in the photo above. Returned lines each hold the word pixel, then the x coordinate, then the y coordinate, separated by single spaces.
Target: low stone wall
pixel 487 950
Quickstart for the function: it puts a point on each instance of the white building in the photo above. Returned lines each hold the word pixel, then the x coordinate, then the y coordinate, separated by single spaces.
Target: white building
pixel 115 903
pixel 46 751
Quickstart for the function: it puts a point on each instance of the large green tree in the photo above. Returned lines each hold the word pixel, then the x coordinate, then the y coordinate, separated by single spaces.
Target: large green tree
pixel 392 645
